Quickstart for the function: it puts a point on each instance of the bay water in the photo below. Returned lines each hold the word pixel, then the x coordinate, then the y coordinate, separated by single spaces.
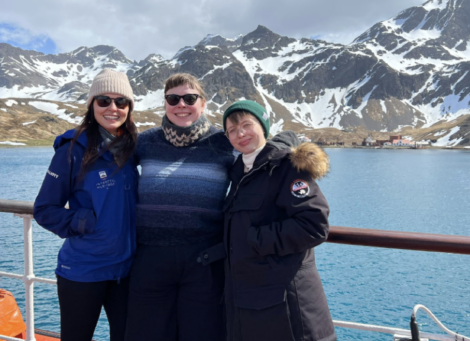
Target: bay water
pixel 402 190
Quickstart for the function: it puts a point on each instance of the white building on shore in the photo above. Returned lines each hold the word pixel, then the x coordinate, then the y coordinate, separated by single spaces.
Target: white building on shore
pixel 402 143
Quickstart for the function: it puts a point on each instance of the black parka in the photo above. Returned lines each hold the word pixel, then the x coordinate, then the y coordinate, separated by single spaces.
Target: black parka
pixel 274 216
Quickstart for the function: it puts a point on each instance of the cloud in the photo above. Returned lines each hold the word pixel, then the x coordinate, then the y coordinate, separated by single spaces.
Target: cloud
pixel 25 39
pixel 10 33
pixel 161 26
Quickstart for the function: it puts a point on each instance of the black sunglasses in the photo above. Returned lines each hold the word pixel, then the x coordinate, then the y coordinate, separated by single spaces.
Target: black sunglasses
pixel 189 99
pixel 105 101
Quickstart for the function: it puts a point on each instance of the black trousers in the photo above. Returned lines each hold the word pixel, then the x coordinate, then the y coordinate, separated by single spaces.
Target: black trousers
pixel 172 297
pixel 80 308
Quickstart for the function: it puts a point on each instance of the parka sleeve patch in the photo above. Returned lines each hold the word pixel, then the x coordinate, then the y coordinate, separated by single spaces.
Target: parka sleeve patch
pixel 300 188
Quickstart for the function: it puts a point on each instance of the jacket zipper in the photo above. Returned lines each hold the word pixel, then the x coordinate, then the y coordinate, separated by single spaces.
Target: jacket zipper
pixel 271 171
pixel 230 222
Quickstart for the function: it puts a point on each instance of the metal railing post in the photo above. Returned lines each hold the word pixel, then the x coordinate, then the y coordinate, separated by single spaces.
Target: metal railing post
pixel 28 274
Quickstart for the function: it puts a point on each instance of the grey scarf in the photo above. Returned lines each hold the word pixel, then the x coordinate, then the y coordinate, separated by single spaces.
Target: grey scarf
pixel 185 136
pixel 117 148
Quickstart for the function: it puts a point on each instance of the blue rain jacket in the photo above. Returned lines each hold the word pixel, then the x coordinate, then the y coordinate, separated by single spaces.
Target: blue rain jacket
pixel 99 226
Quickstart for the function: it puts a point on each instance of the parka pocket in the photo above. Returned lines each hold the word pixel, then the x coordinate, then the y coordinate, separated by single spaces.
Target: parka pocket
pixel 264 314
pixel 245 202
pixel 251 204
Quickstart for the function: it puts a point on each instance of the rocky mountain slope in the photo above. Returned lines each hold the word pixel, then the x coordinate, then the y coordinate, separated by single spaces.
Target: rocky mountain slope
pixel 409 73
pixel 38 122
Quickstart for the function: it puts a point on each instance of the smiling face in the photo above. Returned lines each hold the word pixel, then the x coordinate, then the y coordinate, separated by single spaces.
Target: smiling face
pixel 184 115
pixel 110 117
pixel 247 135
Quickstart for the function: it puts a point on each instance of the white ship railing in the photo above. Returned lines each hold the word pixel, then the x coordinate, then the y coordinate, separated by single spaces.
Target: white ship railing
pixel 28 277
pixel 342 235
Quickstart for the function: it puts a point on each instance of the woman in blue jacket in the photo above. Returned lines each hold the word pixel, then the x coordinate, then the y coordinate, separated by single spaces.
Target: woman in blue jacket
pixel 93 169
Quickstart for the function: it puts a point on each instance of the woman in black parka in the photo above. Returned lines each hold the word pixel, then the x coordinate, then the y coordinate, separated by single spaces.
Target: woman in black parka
pixel 275 214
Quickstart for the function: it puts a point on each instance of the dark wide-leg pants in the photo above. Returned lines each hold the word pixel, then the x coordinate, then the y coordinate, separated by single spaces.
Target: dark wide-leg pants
pixel 172 297
pixel 81 303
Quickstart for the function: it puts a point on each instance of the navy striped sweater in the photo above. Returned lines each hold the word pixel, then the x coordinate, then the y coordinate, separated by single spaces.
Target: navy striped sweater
pixel 182 189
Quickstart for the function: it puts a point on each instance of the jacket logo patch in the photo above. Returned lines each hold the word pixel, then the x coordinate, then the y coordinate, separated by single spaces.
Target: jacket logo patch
pixel 299 188
pixel 103 175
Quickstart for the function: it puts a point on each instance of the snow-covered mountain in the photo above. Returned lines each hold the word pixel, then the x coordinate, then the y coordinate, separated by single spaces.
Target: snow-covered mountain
pixel 62 77
pixel 409 71
pixel 428 45
pixel 218 40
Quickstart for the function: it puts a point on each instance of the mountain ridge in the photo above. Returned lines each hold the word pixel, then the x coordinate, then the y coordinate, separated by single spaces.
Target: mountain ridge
pixel 410 71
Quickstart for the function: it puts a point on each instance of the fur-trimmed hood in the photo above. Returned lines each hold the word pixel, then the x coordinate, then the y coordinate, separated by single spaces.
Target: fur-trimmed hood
pixel 311 158
pixel 305 156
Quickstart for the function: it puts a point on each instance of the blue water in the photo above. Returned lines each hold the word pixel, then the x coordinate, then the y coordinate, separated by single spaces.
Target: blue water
pixel 403 190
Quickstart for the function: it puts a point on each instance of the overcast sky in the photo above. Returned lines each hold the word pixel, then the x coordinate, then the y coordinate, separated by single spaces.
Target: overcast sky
pixel 141 27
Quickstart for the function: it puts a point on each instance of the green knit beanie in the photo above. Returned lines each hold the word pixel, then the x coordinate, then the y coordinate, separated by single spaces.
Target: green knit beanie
pixel 253 108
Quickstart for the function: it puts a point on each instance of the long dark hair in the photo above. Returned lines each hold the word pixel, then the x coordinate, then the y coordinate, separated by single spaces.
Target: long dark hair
pixel 127 133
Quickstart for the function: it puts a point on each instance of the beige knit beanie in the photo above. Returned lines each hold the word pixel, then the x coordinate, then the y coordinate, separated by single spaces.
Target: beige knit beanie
pixel 110 81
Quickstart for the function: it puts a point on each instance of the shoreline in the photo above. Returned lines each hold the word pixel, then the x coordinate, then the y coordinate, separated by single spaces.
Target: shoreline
pixel 46 143
pixel 399 148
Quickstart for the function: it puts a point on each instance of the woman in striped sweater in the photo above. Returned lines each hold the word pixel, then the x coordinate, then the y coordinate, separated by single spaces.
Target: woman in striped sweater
pixel 181 194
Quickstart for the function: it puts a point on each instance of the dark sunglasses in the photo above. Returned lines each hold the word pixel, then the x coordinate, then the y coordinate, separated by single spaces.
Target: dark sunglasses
pixel 189 99
pixel 105 101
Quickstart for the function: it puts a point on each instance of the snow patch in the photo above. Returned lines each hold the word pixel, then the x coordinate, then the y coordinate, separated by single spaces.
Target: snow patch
pixel 415 35
pixel 216 67
pixel 138 124
pixel 435 4
pixel 365 101
pixel 186 48
pixel 27 123
pixel 10 102
pixel 54 110
pixel 152 100
pixel 450 109
pixel 273 65
pixel 13 143
pixel 277 127
pixel 160 113
pixel 382 104
pixel 155 59
pixel 234 39
pixel 445 141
